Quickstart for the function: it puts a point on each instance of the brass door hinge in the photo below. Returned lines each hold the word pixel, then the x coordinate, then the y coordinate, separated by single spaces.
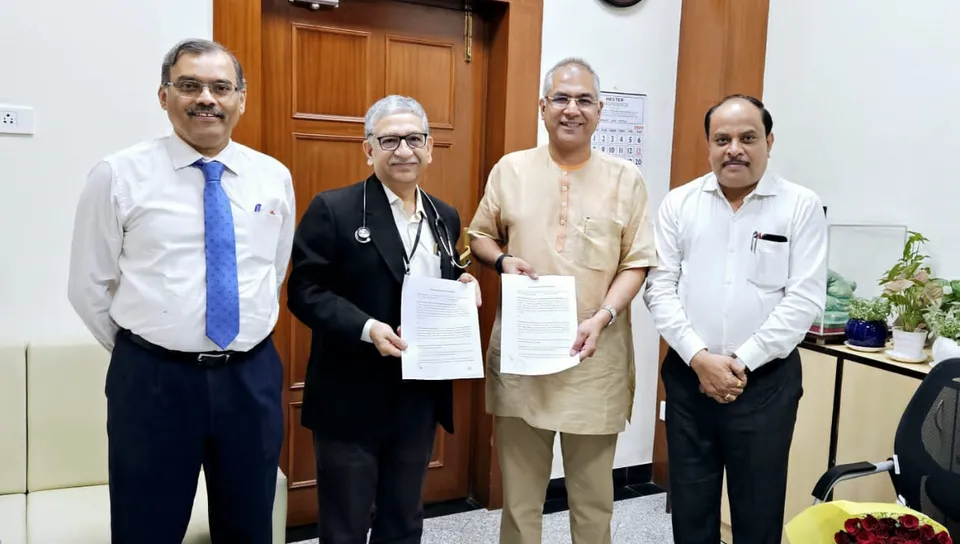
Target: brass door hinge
pixel 468 36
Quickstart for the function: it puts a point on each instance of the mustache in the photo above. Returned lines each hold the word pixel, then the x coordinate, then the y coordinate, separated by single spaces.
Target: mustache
pixel 736 161
pixel 197 110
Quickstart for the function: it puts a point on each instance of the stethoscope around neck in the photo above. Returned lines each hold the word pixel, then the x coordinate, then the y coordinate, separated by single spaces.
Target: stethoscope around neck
pixel 363 234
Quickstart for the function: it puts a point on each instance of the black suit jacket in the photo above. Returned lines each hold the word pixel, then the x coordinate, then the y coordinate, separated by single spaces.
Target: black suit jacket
pixel 335 285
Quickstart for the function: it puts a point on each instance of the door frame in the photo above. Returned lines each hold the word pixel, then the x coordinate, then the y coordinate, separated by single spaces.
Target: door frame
pixel 511 90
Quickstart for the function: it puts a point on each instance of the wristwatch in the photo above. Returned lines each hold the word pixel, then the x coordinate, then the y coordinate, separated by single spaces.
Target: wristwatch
pixel 499 265
pixel 613 313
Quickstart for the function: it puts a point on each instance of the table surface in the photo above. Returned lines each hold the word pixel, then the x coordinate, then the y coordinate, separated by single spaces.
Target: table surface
pixel 841 350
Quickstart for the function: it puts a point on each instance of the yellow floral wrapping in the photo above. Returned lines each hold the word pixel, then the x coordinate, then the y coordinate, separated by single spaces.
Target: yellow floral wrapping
pixel 818 523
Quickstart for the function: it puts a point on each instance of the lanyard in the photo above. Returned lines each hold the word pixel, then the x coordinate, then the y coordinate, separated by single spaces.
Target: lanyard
pixel 416 243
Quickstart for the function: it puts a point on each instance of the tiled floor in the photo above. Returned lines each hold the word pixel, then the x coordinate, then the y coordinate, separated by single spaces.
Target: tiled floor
pixel 638 520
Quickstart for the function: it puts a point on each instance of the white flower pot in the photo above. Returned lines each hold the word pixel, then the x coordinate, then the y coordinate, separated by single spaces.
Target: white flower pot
pixel 909 345
pixel 944 348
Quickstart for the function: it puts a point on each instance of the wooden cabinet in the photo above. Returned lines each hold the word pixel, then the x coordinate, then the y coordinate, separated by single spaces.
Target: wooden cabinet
pixel 872 404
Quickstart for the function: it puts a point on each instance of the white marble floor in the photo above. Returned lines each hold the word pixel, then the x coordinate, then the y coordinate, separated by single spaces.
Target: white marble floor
pixel 640 520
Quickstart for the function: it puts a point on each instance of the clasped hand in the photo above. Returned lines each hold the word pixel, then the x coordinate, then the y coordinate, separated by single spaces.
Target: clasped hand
pixel 389 343
pixel 722 378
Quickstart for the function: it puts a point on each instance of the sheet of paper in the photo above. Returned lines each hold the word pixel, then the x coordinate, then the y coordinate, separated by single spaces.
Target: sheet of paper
pixel 538 321
pixel 441 326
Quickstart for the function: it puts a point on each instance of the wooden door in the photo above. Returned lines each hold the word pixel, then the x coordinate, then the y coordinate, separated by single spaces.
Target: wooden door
pixel 321 71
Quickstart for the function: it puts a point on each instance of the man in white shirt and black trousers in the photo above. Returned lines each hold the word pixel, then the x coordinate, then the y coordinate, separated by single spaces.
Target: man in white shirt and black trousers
pixel 742 277
pixel 180 246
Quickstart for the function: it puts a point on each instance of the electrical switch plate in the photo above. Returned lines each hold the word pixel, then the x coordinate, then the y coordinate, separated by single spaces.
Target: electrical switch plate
pixel 16 119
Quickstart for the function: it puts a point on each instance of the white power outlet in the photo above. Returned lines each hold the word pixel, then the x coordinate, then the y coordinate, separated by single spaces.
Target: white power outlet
pixel 16 119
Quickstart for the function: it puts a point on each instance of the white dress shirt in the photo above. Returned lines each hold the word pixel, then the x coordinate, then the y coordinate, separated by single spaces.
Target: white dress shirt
pixel 719 289
pixel 426 260
pixel 138 257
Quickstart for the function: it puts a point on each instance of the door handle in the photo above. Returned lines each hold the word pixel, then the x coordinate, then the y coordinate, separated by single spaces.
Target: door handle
pixel 316 4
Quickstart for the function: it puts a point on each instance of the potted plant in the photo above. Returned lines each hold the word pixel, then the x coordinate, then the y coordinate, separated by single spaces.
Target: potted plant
pixel 945 328
pixel 867 326
pixel 911 289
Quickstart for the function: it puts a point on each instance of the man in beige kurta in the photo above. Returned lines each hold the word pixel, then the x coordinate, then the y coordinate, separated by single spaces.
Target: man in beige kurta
pixel 564 209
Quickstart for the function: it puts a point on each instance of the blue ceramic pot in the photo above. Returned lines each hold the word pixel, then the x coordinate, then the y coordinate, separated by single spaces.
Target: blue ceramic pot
pixel 867 334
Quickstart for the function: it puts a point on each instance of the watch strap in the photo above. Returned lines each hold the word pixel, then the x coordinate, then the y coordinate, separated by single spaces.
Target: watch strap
pixel 613 313
pixel 499 264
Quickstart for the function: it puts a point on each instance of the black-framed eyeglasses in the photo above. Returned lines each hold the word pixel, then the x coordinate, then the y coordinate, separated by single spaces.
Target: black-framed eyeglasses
pixel 192 88
pixel 562 101
pixel 391 142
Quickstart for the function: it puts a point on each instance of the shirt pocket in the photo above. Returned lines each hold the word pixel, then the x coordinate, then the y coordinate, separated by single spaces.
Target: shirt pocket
pixel 263 234
pixel 771 264
pixel 599 247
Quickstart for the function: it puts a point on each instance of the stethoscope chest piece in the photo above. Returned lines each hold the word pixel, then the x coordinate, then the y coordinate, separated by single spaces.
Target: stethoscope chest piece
pixel 362 235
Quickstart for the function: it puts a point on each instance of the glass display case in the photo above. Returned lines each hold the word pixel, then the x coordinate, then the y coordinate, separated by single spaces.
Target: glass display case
pixel 857 257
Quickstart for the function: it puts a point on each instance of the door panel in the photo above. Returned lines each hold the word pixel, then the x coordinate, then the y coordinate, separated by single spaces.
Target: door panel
pixel 321 71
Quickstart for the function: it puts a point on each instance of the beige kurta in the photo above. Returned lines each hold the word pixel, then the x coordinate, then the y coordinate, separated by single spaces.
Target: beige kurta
pixel 590 222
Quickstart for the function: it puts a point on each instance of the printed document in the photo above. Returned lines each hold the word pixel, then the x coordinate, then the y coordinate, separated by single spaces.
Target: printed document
pixel 441 326
pixel 538 324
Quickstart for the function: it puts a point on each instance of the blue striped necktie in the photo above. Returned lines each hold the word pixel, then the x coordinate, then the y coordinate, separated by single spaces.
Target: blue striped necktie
pixel 223 293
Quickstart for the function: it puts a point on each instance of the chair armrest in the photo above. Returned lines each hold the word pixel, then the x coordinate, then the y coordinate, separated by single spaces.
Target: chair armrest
pixel 848 471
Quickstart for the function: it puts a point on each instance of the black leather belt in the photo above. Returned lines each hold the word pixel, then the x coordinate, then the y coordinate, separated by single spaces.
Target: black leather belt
pixel 207 359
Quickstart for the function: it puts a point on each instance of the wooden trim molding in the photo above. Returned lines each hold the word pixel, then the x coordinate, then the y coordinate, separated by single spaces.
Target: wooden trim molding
pixel 722 51
pixel 511 91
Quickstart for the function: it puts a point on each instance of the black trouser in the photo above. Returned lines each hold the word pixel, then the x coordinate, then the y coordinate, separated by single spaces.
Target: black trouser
pixel 750 437
pixel 356 476
pixel 166 418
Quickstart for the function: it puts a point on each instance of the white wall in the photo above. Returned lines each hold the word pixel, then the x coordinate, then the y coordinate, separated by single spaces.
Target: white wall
pixel 864 97
pixel 92 81
pixel 632 50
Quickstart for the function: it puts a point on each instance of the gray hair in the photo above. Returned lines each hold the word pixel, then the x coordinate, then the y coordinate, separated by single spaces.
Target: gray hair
pixel 197 46
pixel 392 105
pixel 569 61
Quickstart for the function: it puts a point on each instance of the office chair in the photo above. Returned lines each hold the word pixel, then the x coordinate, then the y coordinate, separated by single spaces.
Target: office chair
pixel 925 466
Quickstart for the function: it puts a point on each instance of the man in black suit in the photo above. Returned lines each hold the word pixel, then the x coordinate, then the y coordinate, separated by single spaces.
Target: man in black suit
pixel 373 431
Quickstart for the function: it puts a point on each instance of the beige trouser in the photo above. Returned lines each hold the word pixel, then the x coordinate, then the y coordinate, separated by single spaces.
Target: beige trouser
pixel 526 457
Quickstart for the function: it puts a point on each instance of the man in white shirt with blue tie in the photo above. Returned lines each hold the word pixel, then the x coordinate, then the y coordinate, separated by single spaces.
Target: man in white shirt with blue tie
pixel 180 246
pixel 742 277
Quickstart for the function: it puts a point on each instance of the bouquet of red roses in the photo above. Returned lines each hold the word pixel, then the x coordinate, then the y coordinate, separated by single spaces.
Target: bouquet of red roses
pixel 893 529
pixel 847 522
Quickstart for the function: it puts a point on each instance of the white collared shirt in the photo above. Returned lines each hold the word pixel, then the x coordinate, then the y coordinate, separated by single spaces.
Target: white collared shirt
pixel 138 256
pixel 426 260
pixel 717 288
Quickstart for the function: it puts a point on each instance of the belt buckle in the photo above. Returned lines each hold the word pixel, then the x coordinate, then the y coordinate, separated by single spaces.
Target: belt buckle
pixel 213 359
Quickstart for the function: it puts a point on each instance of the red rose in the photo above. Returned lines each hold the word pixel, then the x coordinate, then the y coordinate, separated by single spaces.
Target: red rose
pixel 897 540
pixel 869 523
pixel 883 533
pixel 865 536
pixel 909 521
pixel 927 532
pixel 852 526
pixel 944 538
pixel 888 523
pixel 842 537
